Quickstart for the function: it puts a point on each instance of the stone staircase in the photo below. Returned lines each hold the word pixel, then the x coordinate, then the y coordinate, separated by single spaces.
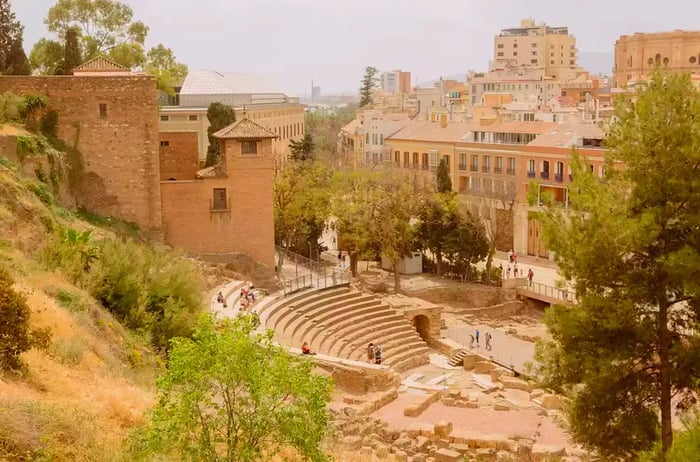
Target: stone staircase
pixel 341 322
pixel 457 359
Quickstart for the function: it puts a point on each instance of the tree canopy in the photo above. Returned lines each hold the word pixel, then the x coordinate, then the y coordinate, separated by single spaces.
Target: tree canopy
pixel 369 81
pixel 444 182
pixel 107 28
pixel 230 395
pixel 303 149
pixel 630 242
pixel 220 116
pixel 13 60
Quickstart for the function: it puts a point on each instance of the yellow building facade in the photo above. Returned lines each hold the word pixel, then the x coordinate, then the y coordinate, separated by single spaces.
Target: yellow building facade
pixel 637 55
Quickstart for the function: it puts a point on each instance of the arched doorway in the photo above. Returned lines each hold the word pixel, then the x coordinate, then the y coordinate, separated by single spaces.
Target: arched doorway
pixel 422 324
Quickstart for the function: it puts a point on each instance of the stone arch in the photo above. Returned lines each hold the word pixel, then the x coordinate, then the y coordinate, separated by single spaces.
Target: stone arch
pixel 422 324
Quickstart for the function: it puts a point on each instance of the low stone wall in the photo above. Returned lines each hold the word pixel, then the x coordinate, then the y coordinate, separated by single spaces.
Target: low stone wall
pixel 468 295
pixel 420 404
pixel 502 309
pixel 354 376
pixel 445 346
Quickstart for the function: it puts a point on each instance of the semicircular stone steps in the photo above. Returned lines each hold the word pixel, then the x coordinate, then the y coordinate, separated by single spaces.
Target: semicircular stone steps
pixel 280 307
pixel 365 331
pixel 319 310
pixel 327 318
pixel 341 321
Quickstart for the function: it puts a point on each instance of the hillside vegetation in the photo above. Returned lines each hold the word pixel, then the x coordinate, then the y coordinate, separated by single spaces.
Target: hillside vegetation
pixel 97 304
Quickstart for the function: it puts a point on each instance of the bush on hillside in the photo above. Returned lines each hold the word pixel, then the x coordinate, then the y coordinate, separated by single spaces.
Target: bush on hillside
pixel 11 107
pixel 156 291
pixel 15 336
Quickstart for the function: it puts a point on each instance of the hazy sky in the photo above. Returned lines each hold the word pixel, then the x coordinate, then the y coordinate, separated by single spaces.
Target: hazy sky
pixel 331 41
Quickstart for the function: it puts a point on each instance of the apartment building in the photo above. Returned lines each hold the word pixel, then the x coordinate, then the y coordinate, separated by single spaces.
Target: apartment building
pixel 537 45
pixel 493 165
pixel 637 55
pixel 361 143
pixel 251 97
pixel 395 82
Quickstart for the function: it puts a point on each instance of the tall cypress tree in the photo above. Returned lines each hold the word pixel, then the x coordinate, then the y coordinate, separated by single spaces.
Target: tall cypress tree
pixel 13 59
pixel 444 182
pixel 72 53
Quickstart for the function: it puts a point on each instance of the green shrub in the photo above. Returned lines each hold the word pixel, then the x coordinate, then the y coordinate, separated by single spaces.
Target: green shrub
pixel 69 351
pixel 155 291
pixel 69 300
pixel 7 163
pixel 15 336
pixel 40 191
pixel 11 107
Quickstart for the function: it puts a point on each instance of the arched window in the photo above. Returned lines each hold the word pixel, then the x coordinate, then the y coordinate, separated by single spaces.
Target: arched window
pixel 657 59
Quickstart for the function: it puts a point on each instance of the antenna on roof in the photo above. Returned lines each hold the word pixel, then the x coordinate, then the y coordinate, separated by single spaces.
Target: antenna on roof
pixel 244 111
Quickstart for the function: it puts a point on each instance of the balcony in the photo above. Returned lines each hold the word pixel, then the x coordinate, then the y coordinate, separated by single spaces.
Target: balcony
pixel 558 177
pixel 463 167
pixel 474 168
pixel 498 170
pixel 485 169
pixel 531 174
pixel 511 171
pixel 544 175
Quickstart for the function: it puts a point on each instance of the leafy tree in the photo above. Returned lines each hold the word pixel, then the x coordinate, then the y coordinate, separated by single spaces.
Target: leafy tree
pixel 13 60
pixel 445 230
pixel 220 116
pixel 303 149
pixel 72 53
pixel 301 204
pixel 631 244
pixel 46 57
pixel 161 63
pixel 107 29
pixel 369 81
pixel 230 395
pixel 444 182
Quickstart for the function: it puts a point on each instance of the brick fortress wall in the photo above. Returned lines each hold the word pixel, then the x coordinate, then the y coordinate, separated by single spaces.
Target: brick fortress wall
pixel 178 155
pixel 119 148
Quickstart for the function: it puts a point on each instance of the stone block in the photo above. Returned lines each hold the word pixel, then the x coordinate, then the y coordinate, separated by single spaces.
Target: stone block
pixel 448 455
pixel 400 456
pixel 501 406
pixel 442 443
pixel 442 429
pixel 460 448
pixel 540 451
pixel 448 401
pixel 515 384
pixel 419 457
pixel 483 367
pixel 403 443
pixel 550 401
pixel 536 393
pixel 381 451
pixel 422 443
pixel 417 407
pixel 470 361
pixel 352 442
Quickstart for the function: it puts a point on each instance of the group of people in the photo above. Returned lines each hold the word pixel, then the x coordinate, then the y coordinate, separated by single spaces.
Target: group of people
pixel 247 297
pixel 475 337
pixel 374 353
pixel 517 273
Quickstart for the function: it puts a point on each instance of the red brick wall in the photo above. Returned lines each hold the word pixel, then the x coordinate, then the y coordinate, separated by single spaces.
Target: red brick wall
pixel 178 155
pixel 120 151
pixel 248 227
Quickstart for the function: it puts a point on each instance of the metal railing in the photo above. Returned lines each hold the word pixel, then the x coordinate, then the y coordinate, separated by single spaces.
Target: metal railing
pixel 297 284
pixel 299 260
pixel 564 295
pixel 337 277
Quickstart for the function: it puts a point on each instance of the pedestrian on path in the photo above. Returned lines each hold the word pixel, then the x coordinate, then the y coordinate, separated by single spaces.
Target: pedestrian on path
pixel 471 343
pixel 500 268
pixel 510 256
pixel 530 276
pixel 477 337
pixel 370 353
pixel 488 341
pixel 508 272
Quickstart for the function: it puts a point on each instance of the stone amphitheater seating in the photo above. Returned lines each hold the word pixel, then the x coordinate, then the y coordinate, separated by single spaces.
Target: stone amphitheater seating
pixel 232 294
pixel 341 322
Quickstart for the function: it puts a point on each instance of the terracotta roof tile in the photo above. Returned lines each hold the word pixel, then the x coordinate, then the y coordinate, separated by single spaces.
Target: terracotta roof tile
pixel 420 130
pixel 245 129
pixel 101 64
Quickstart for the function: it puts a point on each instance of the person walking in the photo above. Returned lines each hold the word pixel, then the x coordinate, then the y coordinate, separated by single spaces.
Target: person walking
pixel 477 337
pixel 508 272
pixel 471 343
pixel 377 354
pixel 500 268
pixel 510 256
pixel 488 341
pixel 530 276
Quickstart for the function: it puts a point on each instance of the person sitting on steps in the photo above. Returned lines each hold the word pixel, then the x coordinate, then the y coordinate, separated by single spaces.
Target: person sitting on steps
pixel 306 350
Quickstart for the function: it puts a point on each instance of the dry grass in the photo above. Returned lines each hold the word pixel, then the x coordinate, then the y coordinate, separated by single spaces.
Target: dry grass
pixel 79 399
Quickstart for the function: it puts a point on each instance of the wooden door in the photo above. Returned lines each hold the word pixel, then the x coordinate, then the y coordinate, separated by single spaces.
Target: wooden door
pixel 535 242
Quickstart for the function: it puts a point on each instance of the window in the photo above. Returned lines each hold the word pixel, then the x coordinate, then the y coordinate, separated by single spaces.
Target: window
pixel 462 161
pixel 193 118
pixel 415 158
pixel 249 147
pixel 500 53
pixel 591 167
pixel 433 159
pixel 515 45
pixel 499 165
pixel 165 144
pixel 487 164
pixel 515 53
pixel 219 201
pixel 500 45
pixel 531 168
pixel 534 53
pixel 475 164
pixel 367 138
pixel 103 110
pixel 381 139
pixel 163 118
pixel 397 156
pixel 534 45
pixel 511 166
pixel 545 170
pixel 692 60
pixel 533 61
pixel 446 159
